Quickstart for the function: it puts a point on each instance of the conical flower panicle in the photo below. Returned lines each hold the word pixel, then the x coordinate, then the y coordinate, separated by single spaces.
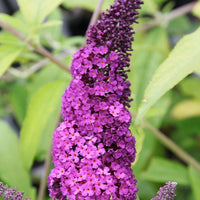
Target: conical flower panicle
pixel 93 148
pixel 167 192
pixel 11 193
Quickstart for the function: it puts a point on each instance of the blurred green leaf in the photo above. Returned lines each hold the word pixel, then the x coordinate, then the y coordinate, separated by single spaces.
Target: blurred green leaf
pixel 163 170
pixel 12 171
pixel 138 133
pixel 195 182
pixel 18 99
pixel 47 74
pixel 7 38
pixel 148 148
pixel 50 24
pixel 35 11
pixel 51 36
pixel 14 22
pixel 190 86
pixel 183 60
pixel 149 7
pixel 186 109
pixel 42 105
pixel 196 10
pixel 150 51
pixel 46 136
pixel 178 26
pixel 8 54
pixel 86 4
pixel 147 190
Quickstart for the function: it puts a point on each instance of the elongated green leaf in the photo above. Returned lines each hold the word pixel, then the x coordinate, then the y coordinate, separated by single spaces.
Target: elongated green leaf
pixel 12 171
pixel 183 60
pixel 14 22
pixel 18 99
pixel 43 104
pixel 195 182
pixel 7 55
pixel 35 11
pixel 148 55
pixel 163 170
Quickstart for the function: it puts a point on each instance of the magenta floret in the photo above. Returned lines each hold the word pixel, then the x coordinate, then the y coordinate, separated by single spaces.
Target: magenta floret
pixel 93 148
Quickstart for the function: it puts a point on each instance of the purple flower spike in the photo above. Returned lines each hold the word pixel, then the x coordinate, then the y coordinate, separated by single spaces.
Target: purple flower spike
pixel 10 193
pixel 93 148
pixel 166 192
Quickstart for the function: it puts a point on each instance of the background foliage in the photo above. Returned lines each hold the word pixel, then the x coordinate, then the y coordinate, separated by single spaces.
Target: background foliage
pixel 165 77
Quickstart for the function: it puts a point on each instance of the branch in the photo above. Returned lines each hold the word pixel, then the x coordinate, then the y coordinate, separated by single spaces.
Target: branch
pixel 36 66
pixel 39 49
pixel 171 145
pixel 166 18
pixel 95 16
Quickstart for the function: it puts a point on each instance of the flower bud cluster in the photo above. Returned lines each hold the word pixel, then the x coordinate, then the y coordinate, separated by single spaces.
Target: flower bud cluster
pixel 93 148
pixel 10 193
pixel 167 192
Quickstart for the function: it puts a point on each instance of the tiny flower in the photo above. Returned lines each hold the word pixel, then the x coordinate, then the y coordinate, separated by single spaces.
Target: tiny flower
pixel 166 192
pixel 10 193
pixel 93 148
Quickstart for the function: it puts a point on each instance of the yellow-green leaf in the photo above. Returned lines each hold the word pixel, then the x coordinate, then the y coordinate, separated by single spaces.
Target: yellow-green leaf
pixel 183 60
pixel 8 54
pixel 45 102
pixel 12 171
pixel 196 10
pixel 35 11
pixel 86 4
pixel 186 109
pixel 195 182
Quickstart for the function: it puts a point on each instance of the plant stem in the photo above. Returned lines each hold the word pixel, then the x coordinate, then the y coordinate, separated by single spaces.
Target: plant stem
pixel 95 16
pixel 171 145
pixel 166 18
pixel 39 49
pixel 48 157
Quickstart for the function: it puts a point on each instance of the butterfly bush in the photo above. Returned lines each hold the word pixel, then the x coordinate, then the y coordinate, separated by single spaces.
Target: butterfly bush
pixel 167 192
pixel 10 193
pixel 93 147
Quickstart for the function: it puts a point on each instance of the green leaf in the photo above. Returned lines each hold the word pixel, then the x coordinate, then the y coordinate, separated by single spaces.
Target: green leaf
pixel 46 136
pixel 138 133
pixel 42 105
pixel 18 99
pixel 163 170
pixel 183 60
pixel 14 22
pixel 195 182
pixel 7 55
pixel 12 171
pixel 35 11
pixel 7 38
pixel 149 52
pixel 190 86
pixel 149 7
pixel 186 109
pixel 196 10
pixel 86 4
